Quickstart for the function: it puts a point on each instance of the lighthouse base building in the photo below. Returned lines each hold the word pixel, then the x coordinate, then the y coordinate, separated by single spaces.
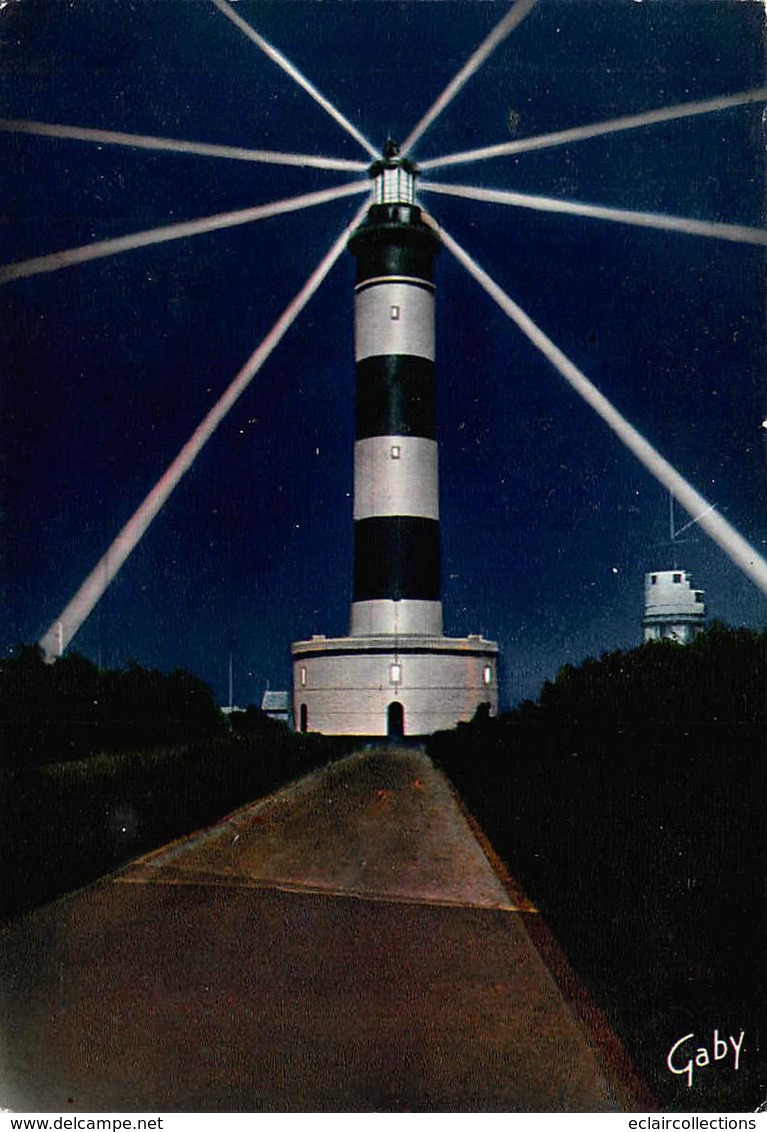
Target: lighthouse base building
pixel 395 674
pixel 372 686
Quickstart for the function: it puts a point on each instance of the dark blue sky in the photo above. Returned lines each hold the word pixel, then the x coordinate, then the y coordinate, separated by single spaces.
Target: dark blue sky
pixel 548 524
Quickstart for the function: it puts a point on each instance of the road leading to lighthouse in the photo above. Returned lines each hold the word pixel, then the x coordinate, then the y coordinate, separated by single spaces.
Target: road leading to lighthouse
pixel 343 945
pixel 383 824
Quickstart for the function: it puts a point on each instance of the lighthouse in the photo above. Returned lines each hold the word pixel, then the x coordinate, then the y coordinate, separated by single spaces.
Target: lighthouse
pixel 395 674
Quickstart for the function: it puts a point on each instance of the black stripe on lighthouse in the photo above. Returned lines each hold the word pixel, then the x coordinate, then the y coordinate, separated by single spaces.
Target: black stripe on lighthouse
pixel 396 557
pixel 395 397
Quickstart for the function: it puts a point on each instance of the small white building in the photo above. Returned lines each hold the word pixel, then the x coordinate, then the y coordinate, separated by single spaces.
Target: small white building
pixel 276 705
pixel 673 609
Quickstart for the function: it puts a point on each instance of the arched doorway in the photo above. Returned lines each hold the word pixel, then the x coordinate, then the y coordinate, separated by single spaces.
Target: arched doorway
pixel 304 723
pixel 395 720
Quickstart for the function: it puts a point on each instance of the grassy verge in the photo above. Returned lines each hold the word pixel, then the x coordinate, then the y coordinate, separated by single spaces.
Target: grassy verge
pixel 67 823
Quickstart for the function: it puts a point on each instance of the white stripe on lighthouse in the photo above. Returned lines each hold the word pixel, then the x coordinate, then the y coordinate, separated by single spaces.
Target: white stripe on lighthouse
pixel 385 617
pixel 396 475
pixel 394 318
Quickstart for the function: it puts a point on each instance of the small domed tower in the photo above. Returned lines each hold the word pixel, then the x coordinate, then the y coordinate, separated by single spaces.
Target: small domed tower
pixel 673 609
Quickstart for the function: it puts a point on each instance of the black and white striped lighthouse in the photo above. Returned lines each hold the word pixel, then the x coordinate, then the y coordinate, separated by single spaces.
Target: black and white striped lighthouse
pixel 396 491
pixel 395 673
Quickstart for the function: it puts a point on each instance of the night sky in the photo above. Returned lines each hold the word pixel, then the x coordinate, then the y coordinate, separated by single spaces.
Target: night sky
pixel 548 524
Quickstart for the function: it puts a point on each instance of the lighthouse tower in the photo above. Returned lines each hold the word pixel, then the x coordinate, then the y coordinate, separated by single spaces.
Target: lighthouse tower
pixel 395 674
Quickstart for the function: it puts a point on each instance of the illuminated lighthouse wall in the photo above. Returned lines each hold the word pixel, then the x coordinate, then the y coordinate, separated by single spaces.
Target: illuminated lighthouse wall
pixel 395 673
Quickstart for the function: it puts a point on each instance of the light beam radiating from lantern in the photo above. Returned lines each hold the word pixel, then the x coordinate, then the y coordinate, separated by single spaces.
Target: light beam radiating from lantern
pixel 90 592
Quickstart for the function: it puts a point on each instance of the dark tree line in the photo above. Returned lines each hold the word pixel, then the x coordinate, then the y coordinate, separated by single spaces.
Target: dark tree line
pixel 630 802
pixel 103 765
pixel 720 678
pixel 71 709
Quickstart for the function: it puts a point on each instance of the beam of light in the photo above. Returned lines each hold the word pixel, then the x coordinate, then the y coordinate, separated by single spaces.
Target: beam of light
pixel 278 58
pixel 69 621
pixel 173 145
pixel 101 248
pixel 737 233
pixel 613 126
pixel 472 65
pixel 745 556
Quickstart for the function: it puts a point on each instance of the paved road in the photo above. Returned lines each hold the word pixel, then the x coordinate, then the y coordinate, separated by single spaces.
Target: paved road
pixel 344 945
